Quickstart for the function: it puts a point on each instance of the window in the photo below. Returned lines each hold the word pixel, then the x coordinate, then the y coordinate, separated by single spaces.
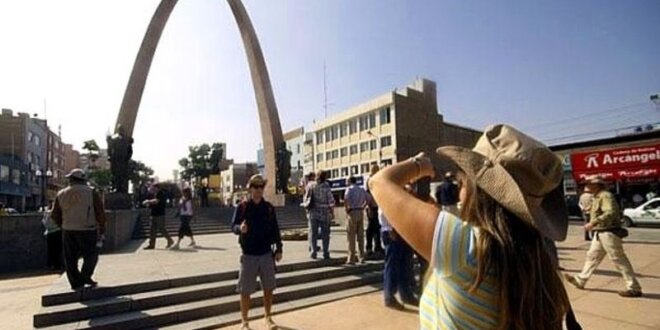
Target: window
pixel 352 126
pixel 354 149
pixel 335 131
pixel 385 141
pixel 16 176
pixel 298 148
pixel 343 152
pixel 327 135
pixel 30 157
pixel 364 122
pixel 372 120
pixel 328 155
pixel 319 157
pixel 30 136
pixel 387 162
pixel 335 154
pixel 364 168
pixel 344 171
pixel 4 173
pixel 342 129
pixel 37 140
pixel 57 144
pixel 335 173
pixel 364 146
pixel 319 137
pixel 373 144
pixel 354 169
pixel 385 117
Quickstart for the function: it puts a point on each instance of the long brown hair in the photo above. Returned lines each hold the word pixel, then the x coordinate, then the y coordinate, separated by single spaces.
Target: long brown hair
pixel 532 295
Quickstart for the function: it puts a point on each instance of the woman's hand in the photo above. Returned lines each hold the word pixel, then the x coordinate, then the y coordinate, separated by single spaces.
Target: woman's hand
pixel 425 165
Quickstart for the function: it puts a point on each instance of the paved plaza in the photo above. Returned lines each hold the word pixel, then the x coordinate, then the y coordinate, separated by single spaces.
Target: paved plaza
pixel 596 307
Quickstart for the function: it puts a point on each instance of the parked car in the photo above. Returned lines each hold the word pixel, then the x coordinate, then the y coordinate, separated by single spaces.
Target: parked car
pixel 10 210
pixel 647 213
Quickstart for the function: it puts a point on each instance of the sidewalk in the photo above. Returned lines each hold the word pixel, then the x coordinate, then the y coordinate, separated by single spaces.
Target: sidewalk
pixel 598 307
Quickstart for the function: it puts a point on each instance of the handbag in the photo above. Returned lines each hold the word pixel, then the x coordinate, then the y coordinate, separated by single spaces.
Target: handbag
pixel 620 232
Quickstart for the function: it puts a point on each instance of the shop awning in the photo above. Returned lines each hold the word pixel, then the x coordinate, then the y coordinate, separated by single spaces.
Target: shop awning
pixel 621 164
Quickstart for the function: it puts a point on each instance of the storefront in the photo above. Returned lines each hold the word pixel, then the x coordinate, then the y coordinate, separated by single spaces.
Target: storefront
pixel 630 164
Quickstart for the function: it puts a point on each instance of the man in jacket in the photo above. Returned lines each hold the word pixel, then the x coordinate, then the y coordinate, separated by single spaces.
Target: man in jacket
pixel 605 221
pixel 79 212
pixel 256 224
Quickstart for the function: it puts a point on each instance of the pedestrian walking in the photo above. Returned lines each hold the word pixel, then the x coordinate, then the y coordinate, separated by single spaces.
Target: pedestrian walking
pixel 79 212
pixel 447 194
pixel 373 226
pixel 320 205
pixel 605 223
pixel 488 266
pixel 185 216
pixel 157 202
pixel 397 273
pixel 53 234
pixel 261 244
pixel 355 200
pixel 585 202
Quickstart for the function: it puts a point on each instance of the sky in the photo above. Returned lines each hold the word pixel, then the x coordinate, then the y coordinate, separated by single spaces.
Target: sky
pixel 558 70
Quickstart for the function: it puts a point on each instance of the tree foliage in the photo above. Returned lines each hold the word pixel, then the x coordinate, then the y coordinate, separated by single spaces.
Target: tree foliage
pixel 101 178
pixel 139 173
pixel 202 161
pixel 92 150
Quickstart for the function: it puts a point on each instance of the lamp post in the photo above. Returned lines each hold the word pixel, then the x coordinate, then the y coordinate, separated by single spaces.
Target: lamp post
pixel 44 176
pixel 380 151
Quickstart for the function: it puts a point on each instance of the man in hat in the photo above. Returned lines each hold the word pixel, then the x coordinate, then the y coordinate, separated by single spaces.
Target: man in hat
pixel 256 224
pixel 158 204
pixel 585 202
pixel 355 201
pixel 447 194
pixel 79 212
pixel 605 219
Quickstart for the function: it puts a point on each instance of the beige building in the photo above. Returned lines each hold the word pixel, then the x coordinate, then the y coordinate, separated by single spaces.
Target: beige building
pixel 234 180
pixel 387 129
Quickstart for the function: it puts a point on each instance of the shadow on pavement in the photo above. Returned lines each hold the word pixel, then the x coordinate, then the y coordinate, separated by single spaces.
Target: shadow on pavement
pixel 209 248
pixel 282 327
pixel 30 273
pixel 641 242
pixel 652 296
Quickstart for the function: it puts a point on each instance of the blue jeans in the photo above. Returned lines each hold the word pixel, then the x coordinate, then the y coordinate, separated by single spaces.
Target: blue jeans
pixel 397 275
pixel 314 224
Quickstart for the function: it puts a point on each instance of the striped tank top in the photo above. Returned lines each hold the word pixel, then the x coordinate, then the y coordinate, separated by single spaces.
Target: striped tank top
pixel 446 302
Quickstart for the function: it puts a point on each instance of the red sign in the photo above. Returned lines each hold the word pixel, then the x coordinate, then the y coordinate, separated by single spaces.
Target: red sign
pixel 618 164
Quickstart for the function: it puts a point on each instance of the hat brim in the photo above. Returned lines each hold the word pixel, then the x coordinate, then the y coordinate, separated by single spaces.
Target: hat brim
pixel 549 216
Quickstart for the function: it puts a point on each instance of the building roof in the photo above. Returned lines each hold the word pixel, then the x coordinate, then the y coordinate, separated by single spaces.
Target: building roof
pixel 640 137
pixel 294 133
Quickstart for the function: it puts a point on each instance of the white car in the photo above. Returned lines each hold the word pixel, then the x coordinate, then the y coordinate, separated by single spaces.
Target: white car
pixel 647 213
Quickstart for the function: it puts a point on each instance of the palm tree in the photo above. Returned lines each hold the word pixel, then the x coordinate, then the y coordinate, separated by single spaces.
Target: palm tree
pixel 92 151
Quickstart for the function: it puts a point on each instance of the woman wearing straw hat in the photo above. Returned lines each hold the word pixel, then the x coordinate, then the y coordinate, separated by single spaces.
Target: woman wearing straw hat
pixel 489 268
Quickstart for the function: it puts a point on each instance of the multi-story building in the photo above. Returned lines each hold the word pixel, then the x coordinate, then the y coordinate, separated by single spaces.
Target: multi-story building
pixel 102 161
pixel 71 158
pixel 24 139
pixel 387 129
pixel 295 143
pixel 308 153
pixel 56 163
pixel 234 179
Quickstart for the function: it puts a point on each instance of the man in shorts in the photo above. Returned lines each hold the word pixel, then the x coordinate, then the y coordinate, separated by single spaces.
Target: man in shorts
pixel 256 224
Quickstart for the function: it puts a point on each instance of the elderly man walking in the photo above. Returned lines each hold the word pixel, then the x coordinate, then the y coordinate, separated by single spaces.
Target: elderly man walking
pixel 355 200
pixel 79 212
pixel 606 225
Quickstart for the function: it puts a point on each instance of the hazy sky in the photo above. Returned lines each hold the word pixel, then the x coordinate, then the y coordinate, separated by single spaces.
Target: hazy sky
pixel 541 66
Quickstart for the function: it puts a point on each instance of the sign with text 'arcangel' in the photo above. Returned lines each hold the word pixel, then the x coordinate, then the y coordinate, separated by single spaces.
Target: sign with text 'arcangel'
pixel 618 164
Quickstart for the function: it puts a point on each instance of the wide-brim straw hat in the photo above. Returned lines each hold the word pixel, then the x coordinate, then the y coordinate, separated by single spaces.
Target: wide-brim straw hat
pixel 595 179
pixel 77 174
pixel 520 173
pixel 258 180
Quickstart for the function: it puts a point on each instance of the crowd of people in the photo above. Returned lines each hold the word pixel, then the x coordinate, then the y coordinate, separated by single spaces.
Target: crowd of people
pixel 485 247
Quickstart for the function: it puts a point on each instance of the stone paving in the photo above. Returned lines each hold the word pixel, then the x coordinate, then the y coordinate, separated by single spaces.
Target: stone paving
pixel 596 307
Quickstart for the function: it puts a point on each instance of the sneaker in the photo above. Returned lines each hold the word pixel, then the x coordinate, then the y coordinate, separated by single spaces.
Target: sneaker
pixel 410 300
pixel 350 262
pixel 313 256
pixel 149 247
pixel 175 246
pixel 169 244
pixel 630 293
pixel 571 279
pixel 326 257
pixel 245 326
pixel 362 261
pixel 91 283
pixel 270 325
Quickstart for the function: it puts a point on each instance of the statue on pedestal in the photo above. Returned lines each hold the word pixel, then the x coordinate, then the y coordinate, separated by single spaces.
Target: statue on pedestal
pixel 120 151
pixel 283 161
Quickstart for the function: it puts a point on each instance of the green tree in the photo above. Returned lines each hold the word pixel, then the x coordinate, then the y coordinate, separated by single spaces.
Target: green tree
pixel 139 173
pixel 101 178
pixel 92 151
pixel 202 161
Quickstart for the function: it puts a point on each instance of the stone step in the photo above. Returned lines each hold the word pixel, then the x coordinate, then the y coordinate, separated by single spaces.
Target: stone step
pixel 65 297
pixel 79 311
pixel 174 314
pixel 256 314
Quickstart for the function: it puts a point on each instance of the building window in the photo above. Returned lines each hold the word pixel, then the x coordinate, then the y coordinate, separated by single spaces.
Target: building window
pixel 319 137
pixel 364 168
pixel 30 136
pixel 387 162
pixel 319 157
pixel 372 120
pixel 327 134
pixel 364 146
pixel 354 149
pixel 373 144
pixel 4 173
pixel 328 155
pixel 344 171
pixel 298 148
pixel 352 126
pixel 364 123
pixel 385 117
pixel 354 169
pixel 16 177
pixel 343 152
pixel 385 141
pixel 342 129
pixel 37 140
pixel 335 173
pixel 335 154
